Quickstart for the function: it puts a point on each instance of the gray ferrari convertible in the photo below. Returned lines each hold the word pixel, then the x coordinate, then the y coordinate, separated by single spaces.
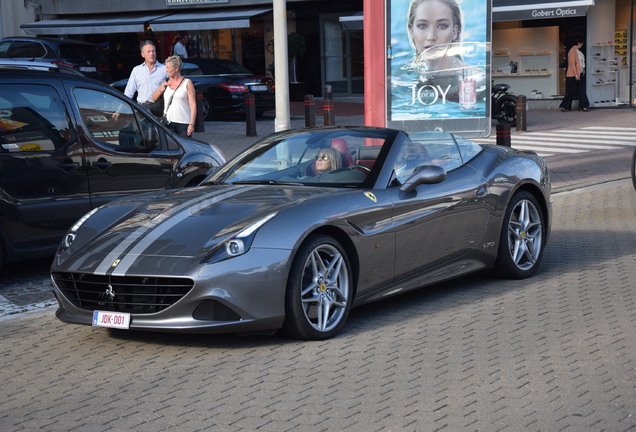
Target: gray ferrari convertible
pixel 301 227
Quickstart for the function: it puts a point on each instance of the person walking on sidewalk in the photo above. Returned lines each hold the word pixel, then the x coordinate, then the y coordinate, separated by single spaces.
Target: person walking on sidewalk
pixel 180 106
pixel 575 80
pixel 146 77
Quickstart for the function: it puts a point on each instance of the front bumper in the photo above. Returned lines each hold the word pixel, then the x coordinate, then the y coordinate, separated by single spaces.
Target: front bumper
pixel 246 293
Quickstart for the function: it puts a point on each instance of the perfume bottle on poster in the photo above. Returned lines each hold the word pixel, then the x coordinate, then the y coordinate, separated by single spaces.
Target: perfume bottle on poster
pixel 467 93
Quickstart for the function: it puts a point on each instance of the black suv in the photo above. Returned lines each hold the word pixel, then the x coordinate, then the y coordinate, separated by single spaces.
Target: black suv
pixel 69 144
pixel 83 56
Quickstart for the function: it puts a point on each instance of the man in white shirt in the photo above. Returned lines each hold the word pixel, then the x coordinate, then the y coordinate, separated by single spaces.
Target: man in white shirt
pixel 179 48
pixel 148 76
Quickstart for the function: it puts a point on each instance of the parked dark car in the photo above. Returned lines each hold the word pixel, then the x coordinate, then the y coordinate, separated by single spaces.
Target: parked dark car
pixel 83 56
pixel 224 84
pixel 69 144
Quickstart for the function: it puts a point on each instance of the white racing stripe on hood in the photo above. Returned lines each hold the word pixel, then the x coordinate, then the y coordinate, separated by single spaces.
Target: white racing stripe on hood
pixel 151 233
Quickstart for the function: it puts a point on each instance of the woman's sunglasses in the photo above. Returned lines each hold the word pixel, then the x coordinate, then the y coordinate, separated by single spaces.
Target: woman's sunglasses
pixel 324 157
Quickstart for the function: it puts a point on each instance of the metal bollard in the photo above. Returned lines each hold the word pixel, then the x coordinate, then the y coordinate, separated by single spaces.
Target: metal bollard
pixel 310 111
pixel 503 135
pixel 327 106
pixel 522 109
pixel 250 114
pixel 199 125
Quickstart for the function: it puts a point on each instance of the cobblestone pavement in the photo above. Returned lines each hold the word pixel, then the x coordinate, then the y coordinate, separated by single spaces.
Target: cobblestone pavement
pixel 25 286
pixel 551 353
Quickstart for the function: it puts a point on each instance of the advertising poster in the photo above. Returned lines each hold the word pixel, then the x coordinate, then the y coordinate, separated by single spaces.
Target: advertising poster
pixel 439 65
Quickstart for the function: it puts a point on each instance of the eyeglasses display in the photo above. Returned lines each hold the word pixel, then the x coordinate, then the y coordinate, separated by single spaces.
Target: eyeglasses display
pixel 322 156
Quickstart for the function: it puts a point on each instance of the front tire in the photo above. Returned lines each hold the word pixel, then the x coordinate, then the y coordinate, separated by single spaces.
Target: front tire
pixel 319 290
pixel 522 238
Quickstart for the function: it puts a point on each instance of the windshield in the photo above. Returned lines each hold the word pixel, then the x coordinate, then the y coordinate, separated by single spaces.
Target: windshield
pixel 80 53
pixel 342 157
pixel 221 67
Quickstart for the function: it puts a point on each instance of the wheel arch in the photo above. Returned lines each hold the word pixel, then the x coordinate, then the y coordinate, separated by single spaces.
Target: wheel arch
pixel 535 191
pixel 346 242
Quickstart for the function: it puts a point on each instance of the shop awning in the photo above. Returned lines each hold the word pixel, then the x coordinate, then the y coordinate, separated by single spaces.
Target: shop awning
pixel 206 20
pixel 89 25
pixel 352 22
pixel 511 10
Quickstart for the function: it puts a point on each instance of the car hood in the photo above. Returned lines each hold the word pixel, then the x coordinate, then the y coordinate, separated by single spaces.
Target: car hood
pixel 183 224
pixel 194 146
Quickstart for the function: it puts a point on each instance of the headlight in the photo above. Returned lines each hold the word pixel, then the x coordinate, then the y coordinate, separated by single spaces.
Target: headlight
pixel 69 238
pixel 239 243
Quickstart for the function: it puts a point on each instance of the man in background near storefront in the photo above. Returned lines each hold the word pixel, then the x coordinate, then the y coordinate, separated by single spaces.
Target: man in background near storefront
pixel 146 77
pixel 179 48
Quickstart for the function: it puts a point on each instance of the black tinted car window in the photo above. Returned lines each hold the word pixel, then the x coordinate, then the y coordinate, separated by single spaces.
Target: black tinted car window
pixel 25 49
pixel 80 53
pixel 4 47
pixel 221 67
pixel 109 120
pixel 32 118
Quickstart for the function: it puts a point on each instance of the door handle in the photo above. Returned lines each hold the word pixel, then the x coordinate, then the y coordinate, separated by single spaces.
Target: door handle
pixel 101 164
pixel 68 165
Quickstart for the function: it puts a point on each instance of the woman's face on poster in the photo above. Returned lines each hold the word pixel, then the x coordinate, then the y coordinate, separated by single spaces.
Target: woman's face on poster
pixel 432 26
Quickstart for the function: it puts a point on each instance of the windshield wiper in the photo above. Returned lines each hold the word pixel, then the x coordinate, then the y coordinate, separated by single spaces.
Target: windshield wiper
pixel 267 182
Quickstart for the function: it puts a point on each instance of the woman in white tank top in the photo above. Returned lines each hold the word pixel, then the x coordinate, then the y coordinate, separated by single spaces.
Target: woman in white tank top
pixel 179 98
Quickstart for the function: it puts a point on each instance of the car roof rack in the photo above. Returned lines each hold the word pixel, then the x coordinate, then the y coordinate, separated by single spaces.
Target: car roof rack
pixel 37 65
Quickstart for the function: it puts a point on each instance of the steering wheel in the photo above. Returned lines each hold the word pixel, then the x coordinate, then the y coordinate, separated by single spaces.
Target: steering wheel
pixel 365 169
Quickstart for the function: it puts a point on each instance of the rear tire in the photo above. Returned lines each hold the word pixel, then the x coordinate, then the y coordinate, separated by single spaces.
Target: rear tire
pixel 507 109
pixel 206 109
pixel 522 237
pixel 319 290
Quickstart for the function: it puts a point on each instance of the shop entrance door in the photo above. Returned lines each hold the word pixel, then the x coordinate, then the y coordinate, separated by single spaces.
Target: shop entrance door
pixel 342 57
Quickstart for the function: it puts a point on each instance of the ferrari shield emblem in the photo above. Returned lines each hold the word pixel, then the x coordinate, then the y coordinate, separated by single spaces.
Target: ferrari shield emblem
pixel 371 196
pixel 115 263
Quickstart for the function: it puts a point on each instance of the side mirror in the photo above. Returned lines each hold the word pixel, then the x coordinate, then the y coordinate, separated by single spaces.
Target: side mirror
pixel 424 174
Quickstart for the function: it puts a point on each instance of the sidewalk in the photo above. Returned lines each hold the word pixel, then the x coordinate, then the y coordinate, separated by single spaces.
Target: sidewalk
pixel 231 138
pixel 567 171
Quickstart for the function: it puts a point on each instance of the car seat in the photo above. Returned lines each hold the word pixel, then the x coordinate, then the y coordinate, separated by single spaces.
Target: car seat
pixel 343 148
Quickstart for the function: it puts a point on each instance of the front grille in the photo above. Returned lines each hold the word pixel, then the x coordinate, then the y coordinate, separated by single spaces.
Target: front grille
pixel 133 294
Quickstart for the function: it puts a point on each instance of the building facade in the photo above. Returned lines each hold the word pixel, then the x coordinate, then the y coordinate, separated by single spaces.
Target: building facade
pixel 237 30
pixel 529 39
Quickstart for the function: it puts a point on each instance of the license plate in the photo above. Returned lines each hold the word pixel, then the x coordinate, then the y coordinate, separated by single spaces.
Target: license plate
pixel 87 69
pixel 118 320
pixel 258 88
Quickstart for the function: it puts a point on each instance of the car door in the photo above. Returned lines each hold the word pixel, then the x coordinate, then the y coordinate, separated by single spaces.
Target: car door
pixel 437 224
pixel 126 152
pixel 44 188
